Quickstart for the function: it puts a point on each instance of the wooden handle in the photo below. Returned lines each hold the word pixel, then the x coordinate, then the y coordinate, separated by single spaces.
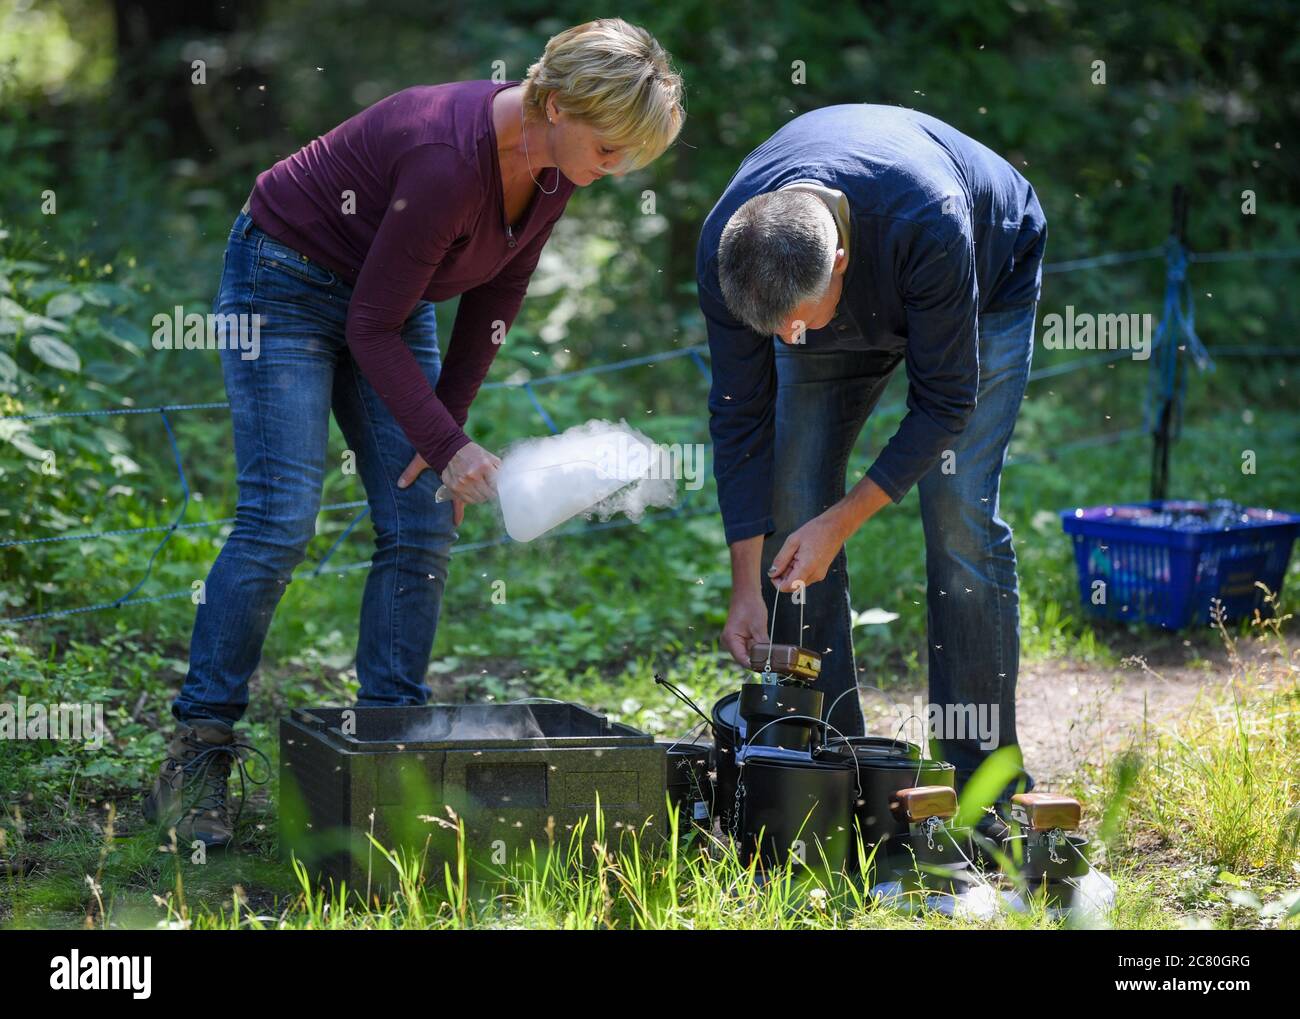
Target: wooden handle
pixel 786 660
pixel 923 801
pixel 1045 811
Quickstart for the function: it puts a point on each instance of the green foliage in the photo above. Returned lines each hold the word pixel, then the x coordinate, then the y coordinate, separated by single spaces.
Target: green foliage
pixel 146 173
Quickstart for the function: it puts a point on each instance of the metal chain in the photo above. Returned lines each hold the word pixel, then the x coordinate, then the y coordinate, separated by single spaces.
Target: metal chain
pixel 928 827
pixel 735 810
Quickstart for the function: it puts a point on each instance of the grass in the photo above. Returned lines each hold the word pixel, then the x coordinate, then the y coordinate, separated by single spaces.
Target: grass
pixel 1234 777
pixel 1197 823
pixel 593 882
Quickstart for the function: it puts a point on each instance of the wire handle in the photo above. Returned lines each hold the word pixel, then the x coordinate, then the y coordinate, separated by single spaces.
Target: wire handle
pixel 771 633
pixel 771 636
pixel 857 769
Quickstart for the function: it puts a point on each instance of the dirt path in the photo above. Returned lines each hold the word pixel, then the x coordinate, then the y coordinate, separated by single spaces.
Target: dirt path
pixel 1070 714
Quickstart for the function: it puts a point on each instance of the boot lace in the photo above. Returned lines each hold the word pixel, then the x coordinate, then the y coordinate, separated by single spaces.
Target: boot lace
pixel 218 758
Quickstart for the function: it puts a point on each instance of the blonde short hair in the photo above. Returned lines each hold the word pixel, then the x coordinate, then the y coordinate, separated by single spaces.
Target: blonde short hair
pixel 617 78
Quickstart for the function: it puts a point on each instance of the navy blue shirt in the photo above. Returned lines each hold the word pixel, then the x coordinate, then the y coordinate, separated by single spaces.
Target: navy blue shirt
pixel 942 230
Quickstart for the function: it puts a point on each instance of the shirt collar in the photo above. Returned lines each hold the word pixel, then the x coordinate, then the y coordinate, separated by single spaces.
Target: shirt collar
pixel 836 201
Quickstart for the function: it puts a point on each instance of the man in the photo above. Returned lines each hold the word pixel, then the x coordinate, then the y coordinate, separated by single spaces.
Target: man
pixel 862 237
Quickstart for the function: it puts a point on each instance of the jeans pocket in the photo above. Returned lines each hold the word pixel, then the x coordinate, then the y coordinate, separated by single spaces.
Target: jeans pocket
pixel 282 258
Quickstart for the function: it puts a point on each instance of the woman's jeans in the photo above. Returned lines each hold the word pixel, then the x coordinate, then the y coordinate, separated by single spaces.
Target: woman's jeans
pixel 280 403
pixel 823 399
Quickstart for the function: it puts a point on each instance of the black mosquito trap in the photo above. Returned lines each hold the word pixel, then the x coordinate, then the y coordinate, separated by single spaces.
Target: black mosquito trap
pixel 689 779
pixel 777 795
pixel 884 767
pixel 786 783
pixel 939 852
pixel 1053 853
pixel 513 775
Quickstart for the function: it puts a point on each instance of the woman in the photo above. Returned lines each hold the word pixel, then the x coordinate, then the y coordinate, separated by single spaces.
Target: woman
pixel 341 251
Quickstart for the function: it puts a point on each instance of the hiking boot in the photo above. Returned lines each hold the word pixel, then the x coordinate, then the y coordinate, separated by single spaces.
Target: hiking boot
pixel 189 793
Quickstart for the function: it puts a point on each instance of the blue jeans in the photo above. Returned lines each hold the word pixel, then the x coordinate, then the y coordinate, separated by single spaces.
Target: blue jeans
pixel 823 399
pixel 280 404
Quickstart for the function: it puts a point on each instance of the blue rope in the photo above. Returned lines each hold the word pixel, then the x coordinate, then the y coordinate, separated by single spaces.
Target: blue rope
pixel 185 502
pixel 1167 380
pixel 1094 261
pixel 598 369
pixel 122 531
pixel 704 368
pixel 613 366
pixel 540 409
pixel 97 607
pixel 340 539
pixel 1274 254
pixel 116 411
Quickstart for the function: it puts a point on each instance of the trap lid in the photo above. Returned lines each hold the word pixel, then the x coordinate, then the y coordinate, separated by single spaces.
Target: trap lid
pixel 434 727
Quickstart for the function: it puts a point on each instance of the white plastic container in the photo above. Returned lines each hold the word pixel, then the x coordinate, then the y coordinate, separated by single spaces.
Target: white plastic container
pixel 544 482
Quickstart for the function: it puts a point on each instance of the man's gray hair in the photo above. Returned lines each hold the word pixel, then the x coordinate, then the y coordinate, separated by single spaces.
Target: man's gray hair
pixel 776 252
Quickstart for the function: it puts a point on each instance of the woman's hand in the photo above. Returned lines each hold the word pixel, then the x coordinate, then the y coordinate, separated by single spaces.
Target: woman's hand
pixel 413 470
pixel 470 476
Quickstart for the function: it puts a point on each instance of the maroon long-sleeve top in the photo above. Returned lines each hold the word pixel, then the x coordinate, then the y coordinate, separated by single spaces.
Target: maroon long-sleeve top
pixel 404 201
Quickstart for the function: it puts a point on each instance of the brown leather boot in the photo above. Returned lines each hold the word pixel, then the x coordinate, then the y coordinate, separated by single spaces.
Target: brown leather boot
pixel 189 793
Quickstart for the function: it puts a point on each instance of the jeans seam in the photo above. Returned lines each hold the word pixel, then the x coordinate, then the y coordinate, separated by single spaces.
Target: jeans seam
pixel 397 524
pixel 842 556
pixel 261 438
pixel 1022 381
pixel 995 502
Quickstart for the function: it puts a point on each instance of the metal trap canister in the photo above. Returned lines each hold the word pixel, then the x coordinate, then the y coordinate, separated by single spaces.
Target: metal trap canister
pixel 514 774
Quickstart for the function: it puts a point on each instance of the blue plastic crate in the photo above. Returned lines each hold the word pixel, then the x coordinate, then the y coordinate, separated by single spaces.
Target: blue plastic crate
pixel 1170 577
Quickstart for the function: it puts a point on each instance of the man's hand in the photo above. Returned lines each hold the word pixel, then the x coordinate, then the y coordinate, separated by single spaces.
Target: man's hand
pixel 746 623
pixel 807 554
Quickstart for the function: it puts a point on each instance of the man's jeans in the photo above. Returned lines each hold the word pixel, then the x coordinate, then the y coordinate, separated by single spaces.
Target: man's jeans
pixel 823 399
pixel 280 404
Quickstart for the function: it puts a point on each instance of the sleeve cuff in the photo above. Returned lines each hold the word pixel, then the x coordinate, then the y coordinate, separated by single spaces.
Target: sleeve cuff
pixel 440 455
pixel 748 529
pixel 877 474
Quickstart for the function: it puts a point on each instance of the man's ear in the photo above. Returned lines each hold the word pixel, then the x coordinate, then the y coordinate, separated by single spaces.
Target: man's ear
pixel 841 262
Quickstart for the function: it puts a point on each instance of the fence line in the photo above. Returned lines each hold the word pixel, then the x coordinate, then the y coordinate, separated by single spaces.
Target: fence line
pixel 696 352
